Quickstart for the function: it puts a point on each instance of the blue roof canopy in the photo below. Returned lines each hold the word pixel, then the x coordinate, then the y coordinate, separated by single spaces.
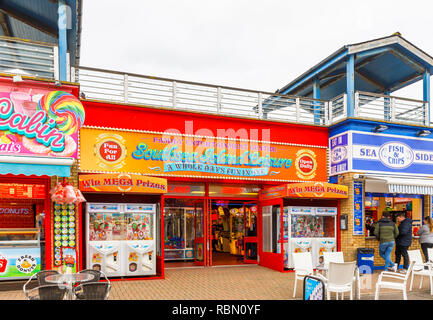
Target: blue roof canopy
pixel 381 66
pixel 38 21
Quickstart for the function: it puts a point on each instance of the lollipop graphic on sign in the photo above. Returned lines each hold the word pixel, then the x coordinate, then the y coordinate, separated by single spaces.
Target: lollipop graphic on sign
pixel 65 108
pixel 68 113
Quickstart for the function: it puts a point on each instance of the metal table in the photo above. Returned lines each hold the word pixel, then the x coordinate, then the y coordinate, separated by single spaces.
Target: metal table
pixel 68 279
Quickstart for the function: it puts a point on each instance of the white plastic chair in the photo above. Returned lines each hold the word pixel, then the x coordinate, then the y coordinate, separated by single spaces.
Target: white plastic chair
pixel 339 258
pixel 340 278
pixel 400 284
pixel 418 269
pixel 303 264
pixel 430 255
pixel 332 257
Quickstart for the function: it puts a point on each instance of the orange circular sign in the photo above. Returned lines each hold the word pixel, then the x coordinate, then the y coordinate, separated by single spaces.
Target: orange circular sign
pixel 306 164
pixel 110 151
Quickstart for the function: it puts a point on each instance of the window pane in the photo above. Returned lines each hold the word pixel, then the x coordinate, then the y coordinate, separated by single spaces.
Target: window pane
pixel 234 190
pixel 270 228
pixel 186 189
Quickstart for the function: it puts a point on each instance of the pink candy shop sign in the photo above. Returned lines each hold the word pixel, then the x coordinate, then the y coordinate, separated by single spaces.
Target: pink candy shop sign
pixel 41 124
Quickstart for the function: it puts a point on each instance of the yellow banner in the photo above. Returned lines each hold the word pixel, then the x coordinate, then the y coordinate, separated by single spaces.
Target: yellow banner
pixel 121 182
pixel 321 190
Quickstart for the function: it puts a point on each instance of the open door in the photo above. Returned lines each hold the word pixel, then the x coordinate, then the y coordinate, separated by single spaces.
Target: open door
pixel 271 245
pixel 199 234
pixel 250 210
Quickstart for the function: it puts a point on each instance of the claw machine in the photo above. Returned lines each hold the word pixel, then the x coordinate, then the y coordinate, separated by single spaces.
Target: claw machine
pixel 302 226
pixel 139 244
pixel 121 238
pixel 106 227
pixel 123 224
pixel 312 229
pixel 302 217
pixel 326 240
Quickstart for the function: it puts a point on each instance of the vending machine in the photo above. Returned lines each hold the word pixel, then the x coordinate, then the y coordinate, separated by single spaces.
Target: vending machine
pixel 312 229
pixel 121 238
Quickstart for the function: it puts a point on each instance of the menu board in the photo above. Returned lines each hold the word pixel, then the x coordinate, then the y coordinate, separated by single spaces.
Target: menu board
pixel 22 191
pixel 358 211
pixel 314 289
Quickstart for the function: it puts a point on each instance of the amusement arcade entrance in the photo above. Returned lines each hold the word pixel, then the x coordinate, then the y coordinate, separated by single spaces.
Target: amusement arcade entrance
pixel 209 224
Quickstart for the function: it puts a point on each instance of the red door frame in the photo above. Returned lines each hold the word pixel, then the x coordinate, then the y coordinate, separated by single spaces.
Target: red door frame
pixel 197 199
pixel 45 180
pixel 202 239
pixel 244 200
pixel 207 228
pixel 271 260
pixel 253 239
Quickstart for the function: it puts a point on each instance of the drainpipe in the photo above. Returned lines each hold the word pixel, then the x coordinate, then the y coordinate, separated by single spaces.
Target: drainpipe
pixel 63 45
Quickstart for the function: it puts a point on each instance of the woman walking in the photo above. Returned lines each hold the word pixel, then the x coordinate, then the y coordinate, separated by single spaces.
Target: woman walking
pixel 426 236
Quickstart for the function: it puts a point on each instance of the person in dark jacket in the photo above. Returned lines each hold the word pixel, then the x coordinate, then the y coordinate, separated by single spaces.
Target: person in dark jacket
pixel 386 231
pixel 403 241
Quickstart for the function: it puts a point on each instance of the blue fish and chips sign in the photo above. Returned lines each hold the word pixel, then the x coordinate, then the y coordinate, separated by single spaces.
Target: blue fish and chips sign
pixel 381 153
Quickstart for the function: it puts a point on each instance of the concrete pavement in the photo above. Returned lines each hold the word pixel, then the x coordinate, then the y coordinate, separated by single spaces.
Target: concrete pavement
pixel 248 282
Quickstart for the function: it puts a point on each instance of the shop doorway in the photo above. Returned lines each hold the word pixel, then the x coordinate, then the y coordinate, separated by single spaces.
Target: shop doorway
pixel 233 225
pixel 184 232
pixel 222 232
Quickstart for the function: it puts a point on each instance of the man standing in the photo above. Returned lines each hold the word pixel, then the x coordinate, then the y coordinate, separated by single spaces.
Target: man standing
pixel 403 241
pixel 386 231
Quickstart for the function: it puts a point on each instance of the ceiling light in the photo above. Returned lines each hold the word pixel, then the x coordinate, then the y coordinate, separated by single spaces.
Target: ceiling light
pixel 380 128
pixel 423 133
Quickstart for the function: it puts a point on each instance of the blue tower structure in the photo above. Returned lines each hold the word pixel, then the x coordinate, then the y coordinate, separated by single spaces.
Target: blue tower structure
pixel 378 67
pixel 40 38
pixel 380 145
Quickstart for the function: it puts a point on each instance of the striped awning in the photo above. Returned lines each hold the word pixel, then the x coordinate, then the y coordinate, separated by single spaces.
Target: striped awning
pixel 39 166
pixel 399 185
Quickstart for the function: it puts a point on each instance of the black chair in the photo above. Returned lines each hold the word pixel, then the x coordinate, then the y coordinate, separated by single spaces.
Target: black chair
pixel 46 292
pixel 96 275
pixel 92 291
pixel 41 275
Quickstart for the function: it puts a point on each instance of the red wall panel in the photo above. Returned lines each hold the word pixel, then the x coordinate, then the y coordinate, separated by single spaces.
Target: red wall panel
pixel 103 114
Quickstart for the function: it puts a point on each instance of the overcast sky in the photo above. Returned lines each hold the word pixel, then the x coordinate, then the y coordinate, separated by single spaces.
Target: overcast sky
pixel 253 44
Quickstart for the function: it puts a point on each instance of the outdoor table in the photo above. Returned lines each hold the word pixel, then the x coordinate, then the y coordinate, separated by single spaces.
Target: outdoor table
pixel 69 279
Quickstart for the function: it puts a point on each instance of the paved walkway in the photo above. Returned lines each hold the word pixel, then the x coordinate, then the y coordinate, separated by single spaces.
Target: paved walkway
pixel 228 283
